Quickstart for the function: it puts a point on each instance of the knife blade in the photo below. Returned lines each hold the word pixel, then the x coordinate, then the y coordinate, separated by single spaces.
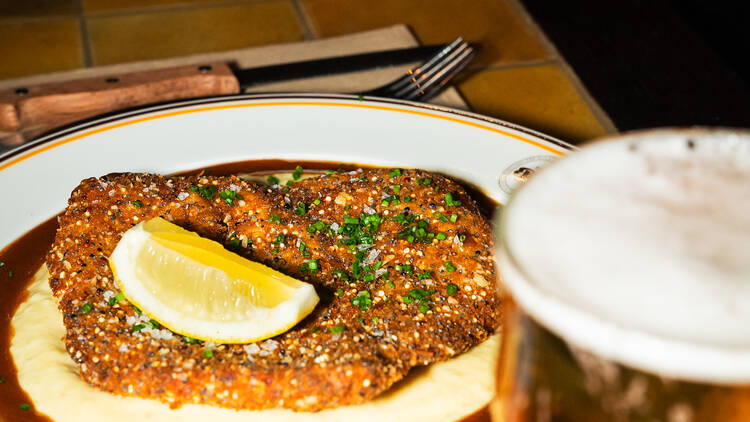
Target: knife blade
pixel 27 111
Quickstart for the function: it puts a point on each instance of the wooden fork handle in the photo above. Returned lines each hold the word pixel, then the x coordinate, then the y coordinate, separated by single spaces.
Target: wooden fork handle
pixel 31 110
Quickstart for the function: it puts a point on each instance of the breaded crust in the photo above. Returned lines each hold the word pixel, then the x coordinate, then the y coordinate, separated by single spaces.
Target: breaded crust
pixel 438 299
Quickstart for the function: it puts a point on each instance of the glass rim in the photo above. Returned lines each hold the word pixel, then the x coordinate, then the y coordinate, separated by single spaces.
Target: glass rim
pixel 653 353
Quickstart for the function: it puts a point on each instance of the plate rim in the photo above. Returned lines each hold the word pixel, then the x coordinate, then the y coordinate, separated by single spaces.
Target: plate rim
pixel 15 155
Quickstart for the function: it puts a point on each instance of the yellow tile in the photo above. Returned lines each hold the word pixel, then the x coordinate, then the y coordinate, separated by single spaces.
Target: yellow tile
pixel 538 97
pixel 503 35
pixel 39 47
pixel 107 5
pixel 116 39
pixel 16 8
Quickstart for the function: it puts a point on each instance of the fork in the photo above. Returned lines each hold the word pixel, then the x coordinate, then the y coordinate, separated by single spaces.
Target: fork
pixel 428 79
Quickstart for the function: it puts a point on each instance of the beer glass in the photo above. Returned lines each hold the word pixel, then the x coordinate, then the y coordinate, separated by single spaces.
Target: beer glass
pixel 625 269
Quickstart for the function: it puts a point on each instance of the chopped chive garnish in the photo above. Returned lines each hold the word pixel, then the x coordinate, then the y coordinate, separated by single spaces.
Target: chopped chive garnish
pixel 297 173
pixel 137 203
pixel 424 181
pixel 424 275
pixel 208 353
pixel 441 236
pixel 316 202
pixel 424 307
pixel 395 173
pixel 289 182
pixel 272 180
pixel 313 266
pixel 154 324
pixel 330 172
pixel 451 289
pixel 275 219
pixel 316 226
pixel 234 242
pixel 301 209
pixel 461 238
pixel 337 329
pixel 404 268
pixel 391 285
pixel 407 199
pixel 10 273
pixel 137 311
pixel 191 340
pixel 229 196
pixel 362 300
pixel 454 217
pixel 116 298
pixel 341 274
pixel 315 329
pixel 449 267
pixel 339 292
pixel 368 278
pixel 24 406
pixel 279 239
pixel 450 202
pixel 275 251
pixel 207 193
pixel 86 308
pixel 396 188
pixel 138 327
pixel 440 217
pixel 375 319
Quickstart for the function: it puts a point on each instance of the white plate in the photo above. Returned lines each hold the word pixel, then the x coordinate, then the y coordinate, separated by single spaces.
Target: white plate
pixel 36 179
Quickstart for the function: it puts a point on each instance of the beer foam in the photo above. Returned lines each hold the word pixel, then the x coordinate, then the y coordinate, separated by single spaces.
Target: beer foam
pixel 639 249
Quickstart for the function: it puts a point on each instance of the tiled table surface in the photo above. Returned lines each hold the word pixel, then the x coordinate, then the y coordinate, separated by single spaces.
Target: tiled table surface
pixel 518 75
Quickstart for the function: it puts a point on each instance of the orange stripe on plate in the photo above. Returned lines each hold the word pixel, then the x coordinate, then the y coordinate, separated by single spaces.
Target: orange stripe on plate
pixel 228 106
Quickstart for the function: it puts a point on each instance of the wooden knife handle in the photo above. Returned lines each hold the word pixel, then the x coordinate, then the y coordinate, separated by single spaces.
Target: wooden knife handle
pixel 32 110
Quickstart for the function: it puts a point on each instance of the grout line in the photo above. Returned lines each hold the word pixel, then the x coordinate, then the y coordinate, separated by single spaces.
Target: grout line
pixel 88 60
pixel 568 71
pixel 516 65
pixel 171 7
pixel 304 20
pixel 20 20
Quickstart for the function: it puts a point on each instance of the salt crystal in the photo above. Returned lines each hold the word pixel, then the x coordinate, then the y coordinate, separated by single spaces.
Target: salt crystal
pixel 251 349
pixel 372 256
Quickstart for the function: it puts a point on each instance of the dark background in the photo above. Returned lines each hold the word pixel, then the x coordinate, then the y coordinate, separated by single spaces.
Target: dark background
pixel 658 62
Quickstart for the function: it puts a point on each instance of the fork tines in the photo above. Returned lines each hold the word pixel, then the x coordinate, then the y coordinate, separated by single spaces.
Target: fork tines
pixel 427 79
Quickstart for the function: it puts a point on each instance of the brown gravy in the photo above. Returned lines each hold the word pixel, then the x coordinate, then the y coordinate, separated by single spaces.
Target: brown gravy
pixel 26 254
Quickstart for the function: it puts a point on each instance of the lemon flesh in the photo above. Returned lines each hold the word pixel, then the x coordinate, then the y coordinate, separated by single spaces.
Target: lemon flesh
pixel 195 287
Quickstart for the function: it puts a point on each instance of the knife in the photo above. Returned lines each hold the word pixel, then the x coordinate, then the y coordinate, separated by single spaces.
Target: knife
pixel 27 111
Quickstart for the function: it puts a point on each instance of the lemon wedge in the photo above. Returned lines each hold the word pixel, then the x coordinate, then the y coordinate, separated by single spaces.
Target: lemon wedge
pixel 195 287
